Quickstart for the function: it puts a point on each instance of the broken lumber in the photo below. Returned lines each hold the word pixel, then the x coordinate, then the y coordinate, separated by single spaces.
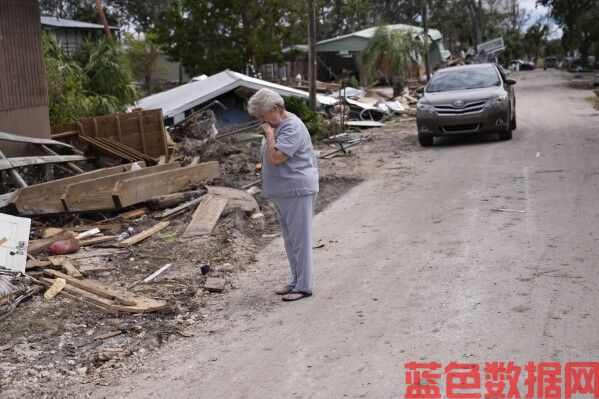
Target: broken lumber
pixel 94 253
pixel 152 276
pixel 35 263
pixel 96 240
pixel 172 200
pixel 142 304
pixel 55 288
pixel 68 265
pixel 19 162
pixel 236 198
pixel 39 246
pixel 134 214
pixel 87 233
pixel 206 215
pixel 96 194
pixel 45 198
pixel 115 149
pixel 144 234
pixel 30 140
pixel 92 286
pixel 51 231
pixel 179 208
pixel 139 189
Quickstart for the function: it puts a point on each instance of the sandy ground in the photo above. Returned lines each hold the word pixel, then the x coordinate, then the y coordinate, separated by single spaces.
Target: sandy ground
pixel 417 266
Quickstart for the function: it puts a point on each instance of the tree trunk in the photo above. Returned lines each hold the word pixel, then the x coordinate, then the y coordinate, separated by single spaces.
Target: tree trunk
pixel 100 10
pixel 312 54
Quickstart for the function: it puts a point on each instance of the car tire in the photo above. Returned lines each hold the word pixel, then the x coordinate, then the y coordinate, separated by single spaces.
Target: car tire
pixel 425 140
pixel 513 122
pixel 506 134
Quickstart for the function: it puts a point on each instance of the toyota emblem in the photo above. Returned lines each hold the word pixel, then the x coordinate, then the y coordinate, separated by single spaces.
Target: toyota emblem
pixel 458 103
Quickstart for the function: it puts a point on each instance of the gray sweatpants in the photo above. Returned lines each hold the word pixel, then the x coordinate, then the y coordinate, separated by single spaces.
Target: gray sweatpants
pixel 295 215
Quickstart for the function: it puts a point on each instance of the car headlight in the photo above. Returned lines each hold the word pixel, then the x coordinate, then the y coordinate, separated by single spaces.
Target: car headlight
pixel 498 101
pixel 426 107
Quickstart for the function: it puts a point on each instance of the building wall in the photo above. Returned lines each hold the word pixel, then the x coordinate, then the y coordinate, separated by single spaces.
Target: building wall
pixel 23 87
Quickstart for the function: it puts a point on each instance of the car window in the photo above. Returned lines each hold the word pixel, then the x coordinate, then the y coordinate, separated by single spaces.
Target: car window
pixel 463 79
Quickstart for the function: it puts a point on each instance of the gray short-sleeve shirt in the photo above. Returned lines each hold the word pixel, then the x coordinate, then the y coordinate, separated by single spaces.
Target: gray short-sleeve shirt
pixel 299 174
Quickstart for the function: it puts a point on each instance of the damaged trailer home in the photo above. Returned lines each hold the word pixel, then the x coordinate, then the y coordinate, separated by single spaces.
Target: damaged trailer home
pixel 225 93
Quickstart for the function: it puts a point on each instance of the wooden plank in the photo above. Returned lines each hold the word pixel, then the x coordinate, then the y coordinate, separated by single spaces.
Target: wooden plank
pixel 35 263
pixel 237 198
pixel 144 234
pixel 140 189
pixel 179 208
pixel 142 133
pixel 45 198
pixel 131 152
pixel 30 140
pixel 51 231
pixel 94 253
pixel 101 148
pixel 19 162
pixel 136 213
pixel 81 295
pixel 206 215
pixel 71 165
pixel 119 135
pixel 92 286
pixel 96 240
pixel 92 195
pixel 70 267
pixel 163 137
pixel 38 246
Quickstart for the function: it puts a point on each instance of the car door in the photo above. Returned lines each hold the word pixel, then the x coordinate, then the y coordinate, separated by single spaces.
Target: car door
pixel 510 92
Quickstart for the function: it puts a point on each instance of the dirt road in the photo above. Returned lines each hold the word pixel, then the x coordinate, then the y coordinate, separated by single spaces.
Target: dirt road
pixel 420 266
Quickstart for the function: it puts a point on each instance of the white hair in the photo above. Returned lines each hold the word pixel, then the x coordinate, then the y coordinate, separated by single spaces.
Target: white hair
pixel 263 101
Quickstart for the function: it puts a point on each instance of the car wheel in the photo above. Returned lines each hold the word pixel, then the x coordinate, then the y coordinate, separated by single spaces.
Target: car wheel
pixel 513 122
pixel 506 134
pixel 425 140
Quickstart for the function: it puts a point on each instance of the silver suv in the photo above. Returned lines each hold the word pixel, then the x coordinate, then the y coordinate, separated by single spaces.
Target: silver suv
pixel 467 99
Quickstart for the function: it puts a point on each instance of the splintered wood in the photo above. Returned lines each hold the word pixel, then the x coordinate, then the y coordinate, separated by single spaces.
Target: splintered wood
pixel 104 298
pixel 144 234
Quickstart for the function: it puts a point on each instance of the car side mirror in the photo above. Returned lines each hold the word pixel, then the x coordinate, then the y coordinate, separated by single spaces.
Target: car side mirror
pixel 510 82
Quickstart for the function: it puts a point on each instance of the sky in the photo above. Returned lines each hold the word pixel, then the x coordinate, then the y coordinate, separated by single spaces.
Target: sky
pixel 537 12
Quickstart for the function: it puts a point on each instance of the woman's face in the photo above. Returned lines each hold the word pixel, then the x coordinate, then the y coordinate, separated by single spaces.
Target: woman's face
pixel 273 118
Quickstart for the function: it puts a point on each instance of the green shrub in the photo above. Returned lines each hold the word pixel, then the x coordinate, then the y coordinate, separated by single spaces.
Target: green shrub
pixel 350 82
pixel 313 120
pixel 96 81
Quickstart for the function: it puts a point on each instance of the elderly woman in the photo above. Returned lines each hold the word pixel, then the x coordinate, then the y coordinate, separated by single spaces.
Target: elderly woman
pixel 290 179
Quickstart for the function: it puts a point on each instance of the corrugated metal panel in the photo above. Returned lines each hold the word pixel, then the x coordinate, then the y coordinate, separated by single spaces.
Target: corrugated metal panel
pixel 22 70
pixel 23 88
pixel 30 122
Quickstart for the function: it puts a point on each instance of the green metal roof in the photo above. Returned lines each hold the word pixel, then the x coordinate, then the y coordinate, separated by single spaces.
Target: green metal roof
pixel 357 41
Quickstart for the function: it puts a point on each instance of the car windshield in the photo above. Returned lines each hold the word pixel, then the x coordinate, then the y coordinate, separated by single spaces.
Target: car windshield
pixel 464 79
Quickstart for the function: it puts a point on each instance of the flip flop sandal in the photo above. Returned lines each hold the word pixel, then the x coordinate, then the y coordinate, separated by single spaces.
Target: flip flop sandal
pixel 295 295
pixel 284 290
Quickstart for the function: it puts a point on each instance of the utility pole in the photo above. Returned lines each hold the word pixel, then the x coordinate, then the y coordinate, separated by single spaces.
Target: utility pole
pixel 312 54
pixel 426 37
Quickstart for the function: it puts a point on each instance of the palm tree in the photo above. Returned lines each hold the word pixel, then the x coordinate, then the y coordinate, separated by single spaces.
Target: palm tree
pixel 390 54
pixel 536 39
